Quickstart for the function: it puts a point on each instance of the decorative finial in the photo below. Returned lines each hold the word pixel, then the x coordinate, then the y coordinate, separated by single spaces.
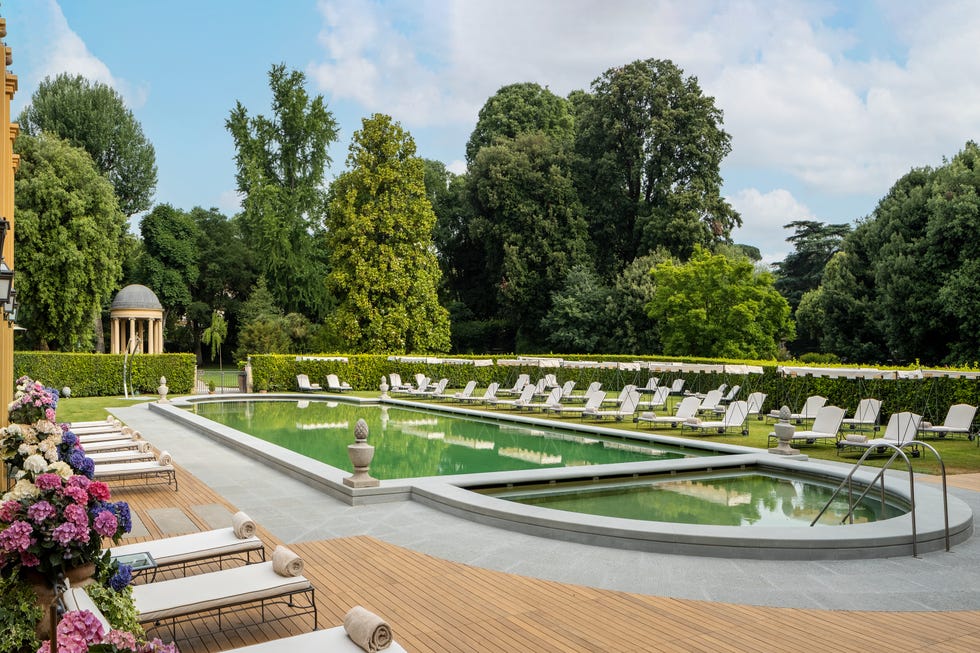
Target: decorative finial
pixel 361 431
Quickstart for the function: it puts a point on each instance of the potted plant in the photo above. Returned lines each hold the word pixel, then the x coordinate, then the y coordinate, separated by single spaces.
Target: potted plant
pixel 211 387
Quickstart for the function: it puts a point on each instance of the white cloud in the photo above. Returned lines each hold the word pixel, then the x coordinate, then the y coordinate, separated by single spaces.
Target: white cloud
pixel 456 167
pixel 66 52
pixel 763 218
pixel 230 202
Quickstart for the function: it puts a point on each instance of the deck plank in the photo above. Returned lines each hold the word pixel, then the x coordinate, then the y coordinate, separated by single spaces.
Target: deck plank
pixel 438 605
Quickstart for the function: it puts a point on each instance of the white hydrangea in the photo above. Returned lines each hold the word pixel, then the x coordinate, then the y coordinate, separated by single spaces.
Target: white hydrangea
pixel 23 489
pixel 35 464
pixel 62 469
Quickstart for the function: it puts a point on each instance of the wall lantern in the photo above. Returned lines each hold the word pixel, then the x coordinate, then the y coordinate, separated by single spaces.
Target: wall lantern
pixel 6 274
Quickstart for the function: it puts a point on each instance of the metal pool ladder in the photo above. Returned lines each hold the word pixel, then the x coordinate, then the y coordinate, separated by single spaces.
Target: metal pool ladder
pixel 880 480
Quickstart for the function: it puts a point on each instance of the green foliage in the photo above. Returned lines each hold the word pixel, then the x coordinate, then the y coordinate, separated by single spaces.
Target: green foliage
pixel 631 328
pixel 169 263
pixel 90 375
pixel 215 334
pixel 650 145
pixel 814 243
pixel 67 237
pixel 19 614
pixel 520 109
pixel 716 306
pixel 93 116
pixel 530 224
pixel 281 163
pixel 578 320
pixel 383 271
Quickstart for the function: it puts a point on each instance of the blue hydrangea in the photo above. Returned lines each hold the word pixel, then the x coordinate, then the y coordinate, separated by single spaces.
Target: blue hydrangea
pixel 121 508
pixel 122 578
pixel 70 439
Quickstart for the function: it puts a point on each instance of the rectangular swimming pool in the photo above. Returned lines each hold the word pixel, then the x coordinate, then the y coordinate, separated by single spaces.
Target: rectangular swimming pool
pixel 412 443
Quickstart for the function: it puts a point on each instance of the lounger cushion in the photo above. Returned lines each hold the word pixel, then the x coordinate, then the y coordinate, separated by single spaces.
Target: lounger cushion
pixel 104 437
pixel 192 594
pixel 192 547
pixel 75 598
pixel 334 640
pixel 121 456
pixel 117 470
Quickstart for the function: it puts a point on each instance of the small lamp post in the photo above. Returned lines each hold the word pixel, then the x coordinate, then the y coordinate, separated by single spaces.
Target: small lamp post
pixel 6 274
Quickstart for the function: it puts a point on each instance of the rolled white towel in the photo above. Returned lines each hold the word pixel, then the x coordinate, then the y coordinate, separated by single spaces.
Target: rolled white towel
pixel 165 458
pixel 285 562
pixel 244 527
pixel 116 423
pixel 127 430
pixel 143 446
pixel 367 630
pixel 855 437
pixel 136 435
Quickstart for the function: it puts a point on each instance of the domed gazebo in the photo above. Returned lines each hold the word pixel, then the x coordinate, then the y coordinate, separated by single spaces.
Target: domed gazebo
pixel 143 325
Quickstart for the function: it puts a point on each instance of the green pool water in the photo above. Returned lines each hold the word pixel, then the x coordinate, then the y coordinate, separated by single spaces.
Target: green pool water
pixel 412 443
pixel 744 498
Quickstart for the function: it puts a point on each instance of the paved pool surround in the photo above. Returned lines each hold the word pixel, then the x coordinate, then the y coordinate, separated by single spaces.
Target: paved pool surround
pixel 449 494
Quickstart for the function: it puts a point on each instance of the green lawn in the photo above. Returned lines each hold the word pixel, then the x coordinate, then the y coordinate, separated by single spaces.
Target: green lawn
pixel 959 454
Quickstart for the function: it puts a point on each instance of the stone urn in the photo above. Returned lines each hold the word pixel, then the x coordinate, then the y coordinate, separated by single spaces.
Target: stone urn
pixel 361 454
pixel 162 390
pixel 384 388
pixel 784 432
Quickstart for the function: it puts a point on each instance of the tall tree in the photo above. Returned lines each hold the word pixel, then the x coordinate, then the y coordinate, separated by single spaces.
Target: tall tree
pixel 814 243
pixel 530 223
pixel 719 307
pixel 68 225
pixel 383 270
pixel 650 145
pixel 169 263
pixel 520 109
pixel 281 163
pixel 577 321
pixel 94 117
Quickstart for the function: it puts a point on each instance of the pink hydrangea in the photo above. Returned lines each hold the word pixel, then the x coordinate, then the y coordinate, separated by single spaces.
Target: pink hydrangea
pixel 121 639
pixel 76 514
pixel 49 414
pixel 40 511
pixel 98 490
pixel 69 533
pixel 9 511
pixel 47 481
pixel 28 559
pixel 76 630
pixel 76 494
pixel 106 523
pixel 17 537
pixel 79 481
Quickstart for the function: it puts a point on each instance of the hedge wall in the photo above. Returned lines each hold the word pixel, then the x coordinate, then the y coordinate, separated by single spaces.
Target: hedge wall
pixel 90 375
pixel 928 397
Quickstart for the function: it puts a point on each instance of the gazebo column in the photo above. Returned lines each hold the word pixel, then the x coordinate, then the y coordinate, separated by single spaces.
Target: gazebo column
pixel 159 335
pixel 131 333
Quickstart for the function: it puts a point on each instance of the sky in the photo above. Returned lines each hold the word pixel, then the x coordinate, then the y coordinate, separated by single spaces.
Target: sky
pixel 827 103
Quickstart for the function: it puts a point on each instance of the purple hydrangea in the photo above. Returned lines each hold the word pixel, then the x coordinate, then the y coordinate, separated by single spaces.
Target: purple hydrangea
pixel 121 508
pixel 40 511
pixel 106 523
pixel 17 537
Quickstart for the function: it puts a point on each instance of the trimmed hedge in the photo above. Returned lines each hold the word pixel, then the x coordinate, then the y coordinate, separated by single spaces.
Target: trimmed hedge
pixel 94 375
pixel 928 397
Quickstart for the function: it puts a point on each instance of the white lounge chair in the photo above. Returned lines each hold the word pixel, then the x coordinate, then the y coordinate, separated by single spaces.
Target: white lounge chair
pixel 396 384
pixel 621 397
pixel 303 381
pixel 488 395
pixel 734 418
pixel 755 402
pixel 118 436
pixel 865 415
pixel 119 456
pixel 626 409
pixel 731 395
pixel 527 394
pixel 658 399
pixel 336 385
pixel 593 388
pixel 686 409
pixel 677 387
pixel 115 445
pixel 181 599
pixel 196 548
pixel 464 394
pixel 807 413
pixel 432 391
pixel 826 426
pixel 522 380
pixel 147 472
pixel 959 419
pixel 711 402
pixel 593 403
pixel 551 401
pixel 108 421
pixel 566 389
pixel 900 431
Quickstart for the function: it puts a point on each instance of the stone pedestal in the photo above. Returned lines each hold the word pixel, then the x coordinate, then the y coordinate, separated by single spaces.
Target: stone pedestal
pixel 162 390
pixel 361 454
pixel 784 433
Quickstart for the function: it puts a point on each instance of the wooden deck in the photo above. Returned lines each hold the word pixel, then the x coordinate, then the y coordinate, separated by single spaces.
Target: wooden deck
pixel 436 605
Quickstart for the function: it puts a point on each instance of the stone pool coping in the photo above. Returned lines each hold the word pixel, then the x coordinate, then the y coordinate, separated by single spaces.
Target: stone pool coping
pixel 890 537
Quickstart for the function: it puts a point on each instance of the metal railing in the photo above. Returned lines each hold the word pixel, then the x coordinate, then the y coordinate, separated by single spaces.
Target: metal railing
pixel 880 480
